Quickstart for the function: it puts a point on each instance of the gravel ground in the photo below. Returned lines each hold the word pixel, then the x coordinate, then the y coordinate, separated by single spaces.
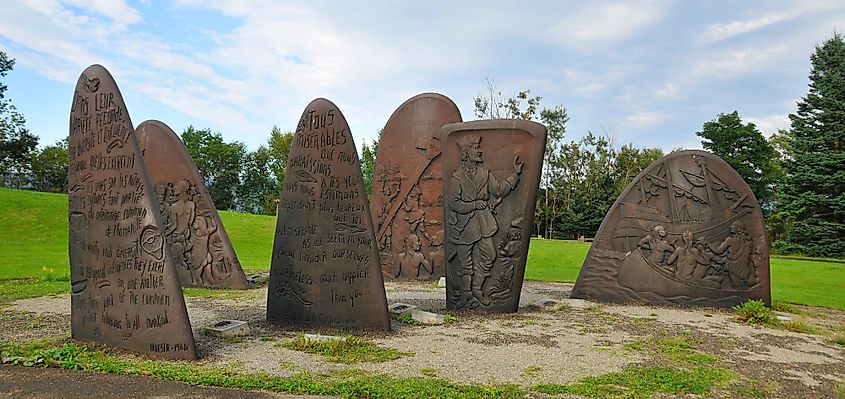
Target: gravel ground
pixel 529 347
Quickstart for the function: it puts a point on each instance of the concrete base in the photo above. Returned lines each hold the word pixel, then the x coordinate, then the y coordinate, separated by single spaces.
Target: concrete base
pixel 228 328
pixel 427 317
pixel 398 309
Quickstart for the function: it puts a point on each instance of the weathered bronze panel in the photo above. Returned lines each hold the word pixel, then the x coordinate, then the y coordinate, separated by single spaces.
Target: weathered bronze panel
pixel 687 231
pixel 325 268
pixel 124 287
pixel 492 174
pixel 204 256
pixel 407 200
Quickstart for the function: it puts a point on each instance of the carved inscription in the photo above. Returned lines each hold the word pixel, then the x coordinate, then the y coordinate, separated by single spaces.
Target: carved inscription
pixel 687 230
pixel 123 283
pixel 493 170
pixel 407 200
pixel 202 252
pixel 325 267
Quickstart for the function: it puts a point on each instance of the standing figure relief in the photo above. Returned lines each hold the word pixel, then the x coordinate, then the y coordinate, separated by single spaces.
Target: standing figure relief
pixel 471 216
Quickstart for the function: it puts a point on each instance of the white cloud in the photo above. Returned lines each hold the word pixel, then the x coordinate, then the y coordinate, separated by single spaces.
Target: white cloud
pixel 721 31
pixel 121 14
pixel 770 124
pixel 644 118
pixel 606 22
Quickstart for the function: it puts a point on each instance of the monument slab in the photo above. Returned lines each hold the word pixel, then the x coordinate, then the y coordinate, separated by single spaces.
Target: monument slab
pixel 124 287
pixel 492 174
pixel 407 199
pixel 204 256
pixel 687 231
pixel 325 268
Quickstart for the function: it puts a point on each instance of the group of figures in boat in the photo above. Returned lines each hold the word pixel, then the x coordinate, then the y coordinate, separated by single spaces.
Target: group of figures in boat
pixel 687 230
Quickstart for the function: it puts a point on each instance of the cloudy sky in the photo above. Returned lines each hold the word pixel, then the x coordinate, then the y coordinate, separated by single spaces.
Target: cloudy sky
pixel 646 72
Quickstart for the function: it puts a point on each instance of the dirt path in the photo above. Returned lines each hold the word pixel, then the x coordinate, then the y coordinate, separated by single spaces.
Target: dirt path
pixel 529 347
pixel 17 383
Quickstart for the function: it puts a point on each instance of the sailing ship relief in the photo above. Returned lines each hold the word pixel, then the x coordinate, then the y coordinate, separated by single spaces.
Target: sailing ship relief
pixel 687 231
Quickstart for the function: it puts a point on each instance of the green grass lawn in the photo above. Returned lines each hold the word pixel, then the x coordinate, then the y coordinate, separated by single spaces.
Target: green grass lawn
pixel 33 240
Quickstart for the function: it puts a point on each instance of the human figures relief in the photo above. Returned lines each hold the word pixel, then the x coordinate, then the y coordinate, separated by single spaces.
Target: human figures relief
pixel 489 202
pixel 407 193
pixel 687 230
pixel 412 263
pixel 475 195
pixel 200 246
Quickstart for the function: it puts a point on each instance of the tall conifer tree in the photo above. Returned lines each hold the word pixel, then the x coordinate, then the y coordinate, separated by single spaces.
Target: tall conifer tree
pixel 813 193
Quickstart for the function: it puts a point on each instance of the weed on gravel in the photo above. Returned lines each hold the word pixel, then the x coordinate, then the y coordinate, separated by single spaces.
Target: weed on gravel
pixel 347 351
pixel 343 383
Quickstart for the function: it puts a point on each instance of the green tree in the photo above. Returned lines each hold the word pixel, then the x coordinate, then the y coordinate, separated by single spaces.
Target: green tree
pixel 744 148
pixel 493 105
pixel 16 142
pixel 368 165
pixel 258 190
pixel 630 161
pixel 278 146
pixel 812 197
pixel 49 167
pixel 219 163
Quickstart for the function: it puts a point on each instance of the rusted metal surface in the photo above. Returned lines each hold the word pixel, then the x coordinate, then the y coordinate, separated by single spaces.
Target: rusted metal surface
pixel 407 199
pixel 688 231
pixel 202 252
pixel 325 268
pixel 124 288
pixel 491 176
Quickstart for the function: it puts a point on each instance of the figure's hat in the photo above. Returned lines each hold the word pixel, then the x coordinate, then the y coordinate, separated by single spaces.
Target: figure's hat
pixel 467 140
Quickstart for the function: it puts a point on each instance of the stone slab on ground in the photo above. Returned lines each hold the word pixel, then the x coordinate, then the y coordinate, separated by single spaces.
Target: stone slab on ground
pixel 427 317
pixel 228 328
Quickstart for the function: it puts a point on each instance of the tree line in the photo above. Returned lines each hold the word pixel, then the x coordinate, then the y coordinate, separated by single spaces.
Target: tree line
pixel 797 174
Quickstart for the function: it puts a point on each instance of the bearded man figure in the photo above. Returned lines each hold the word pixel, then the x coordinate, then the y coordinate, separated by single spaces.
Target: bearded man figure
pixel 471 217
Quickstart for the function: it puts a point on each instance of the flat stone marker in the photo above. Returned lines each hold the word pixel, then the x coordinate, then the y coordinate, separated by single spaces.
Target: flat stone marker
pixel 325 268
pixel 228 328
pixel 124 288
pixel 687 231
pixel 441 283
pixel 203 253
pixel 424 317
pixel 398 309
pixel 492 174
pixel 407 200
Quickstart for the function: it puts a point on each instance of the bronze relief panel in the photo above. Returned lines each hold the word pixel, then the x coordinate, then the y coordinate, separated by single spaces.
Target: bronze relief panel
pixel 124 288
pixel 491 177
pixel 407 199
pixel 325 268
pixel 203 254
pixel 687 231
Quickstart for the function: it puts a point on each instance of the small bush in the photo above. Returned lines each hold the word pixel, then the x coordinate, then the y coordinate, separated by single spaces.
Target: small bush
pixel 755 312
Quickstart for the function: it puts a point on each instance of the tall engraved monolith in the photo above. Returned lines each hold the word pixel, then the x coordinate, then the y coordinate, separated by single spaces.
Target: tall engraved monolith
pixel 124 288
pixel 202 252
pixel 491 177
pixel 407 199
pixel 687 231
pixel 325 268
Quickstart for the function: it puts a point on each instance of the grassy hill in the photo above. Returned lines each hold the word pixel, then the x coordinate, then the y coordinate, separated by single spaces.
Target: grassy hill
pixel 33 244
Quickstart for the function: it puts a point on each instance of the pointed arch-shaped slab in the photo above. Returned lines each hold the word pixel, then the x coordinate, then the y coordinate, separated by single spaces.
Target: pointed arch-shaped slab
pixel 407 199
pixel 124 287
pixel 687 230
pixel 325 269
pixel 492 174
pixel 204 256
